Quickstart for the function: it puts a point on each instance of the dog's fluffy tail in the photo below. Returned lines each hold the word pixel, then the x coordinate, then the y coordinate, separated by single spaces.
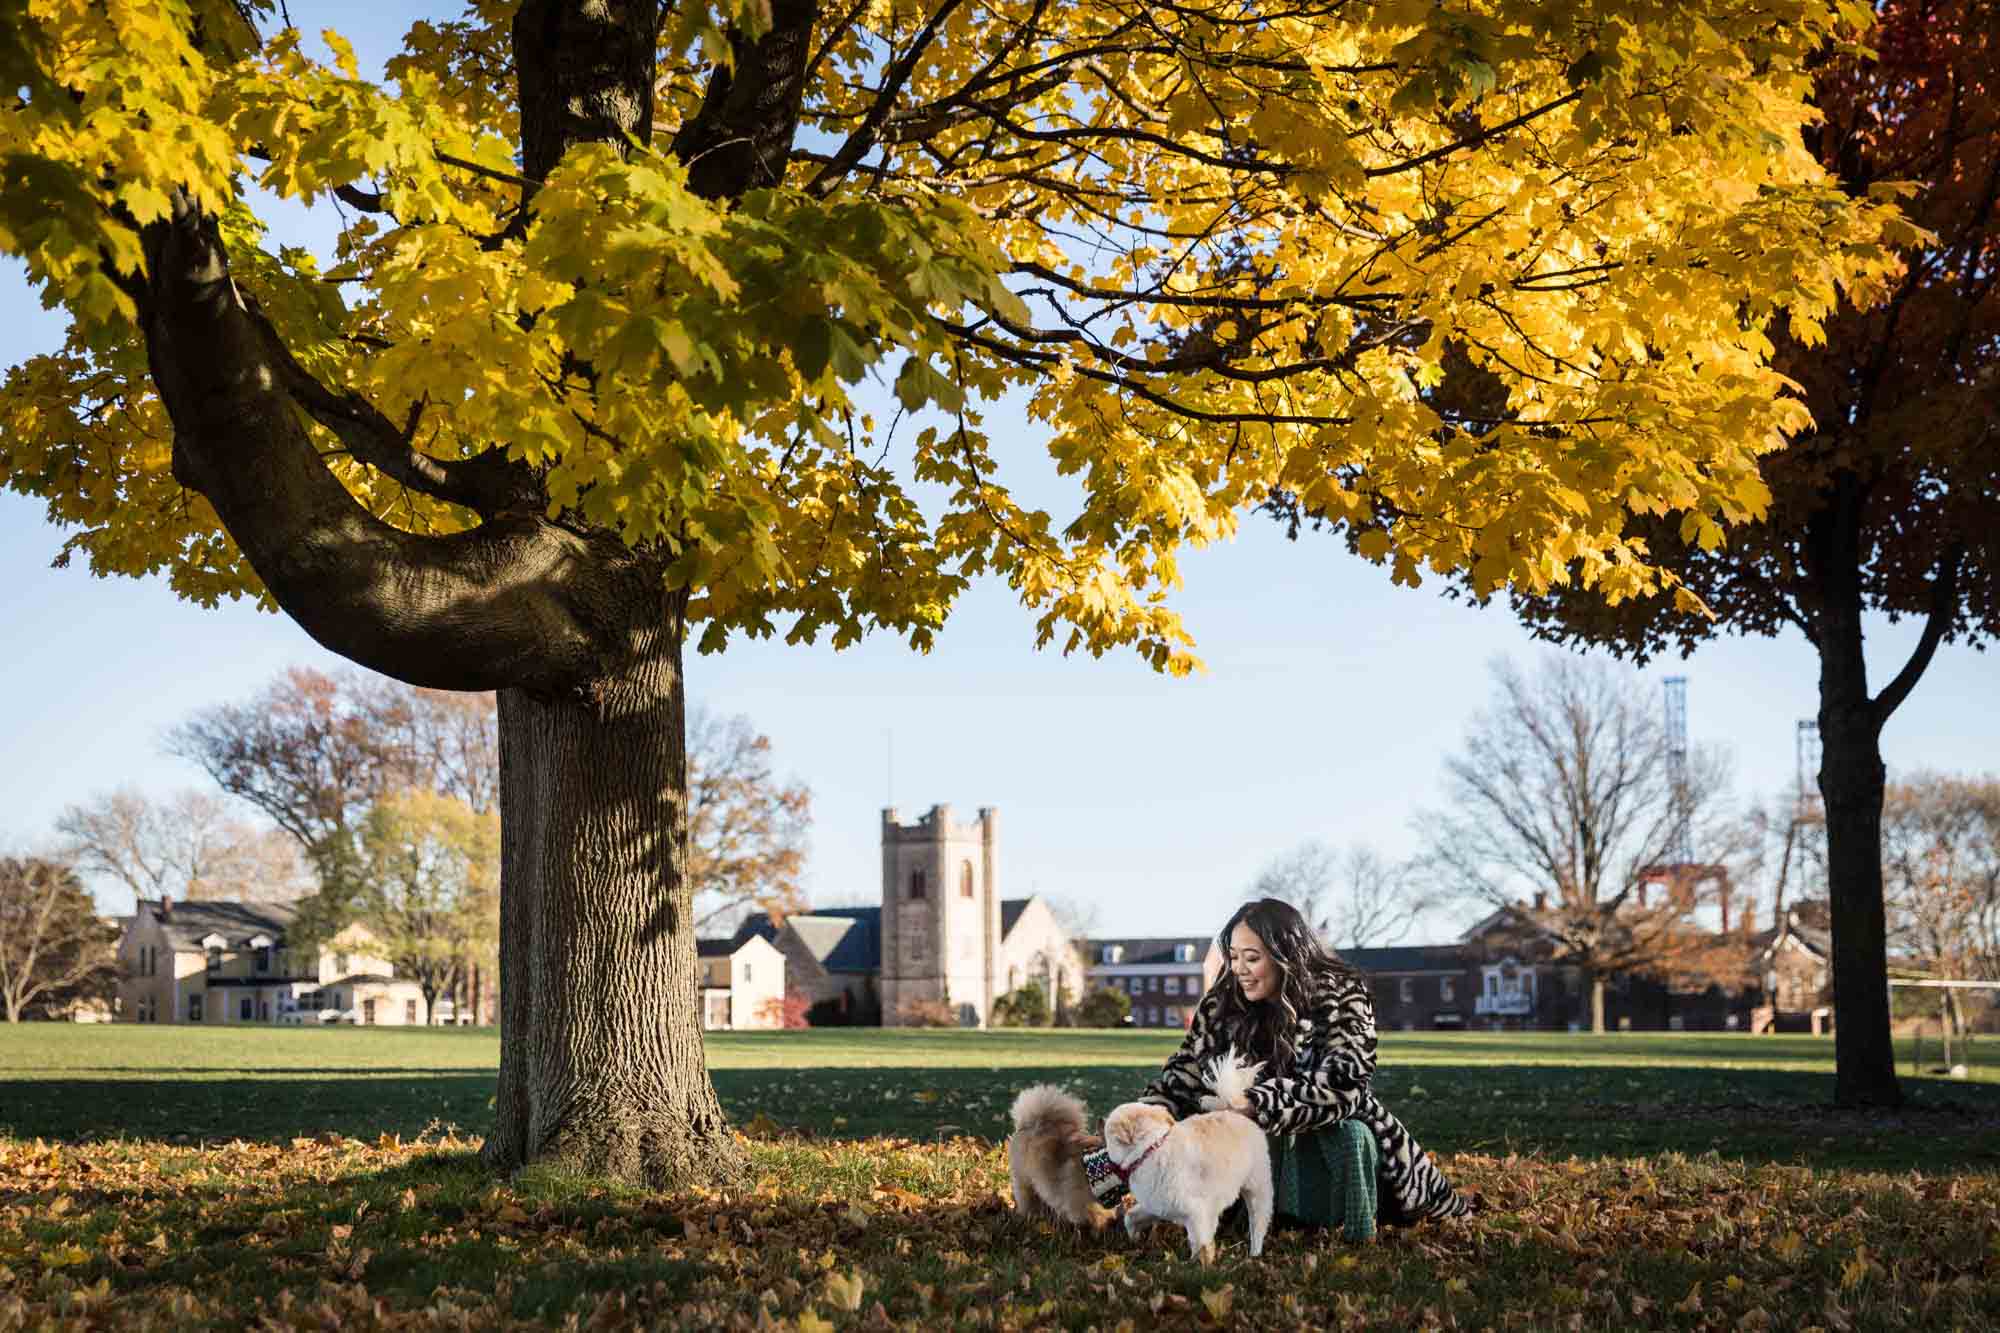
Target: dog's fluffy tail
pixel 1232 1077
pixel 1048 1109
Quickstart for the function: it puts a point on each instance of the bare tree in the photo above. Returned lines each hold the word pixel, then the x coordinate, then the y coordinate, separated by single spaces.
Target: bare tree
pixel 1564 790
pixel 313 751
pixel 54 948
pixel 747 830
pixel 1941 873
pixel 1357 898
pixel 185 846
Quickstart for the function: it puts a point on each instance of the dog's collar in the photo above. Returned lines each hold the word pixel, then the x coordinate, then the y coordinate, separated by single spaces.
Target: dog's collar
pixel 1124 1173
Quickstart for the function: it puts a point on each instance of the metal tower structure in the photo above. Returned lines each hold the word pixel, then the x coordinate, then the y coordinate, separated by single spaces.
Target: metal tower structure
pixel 1680 844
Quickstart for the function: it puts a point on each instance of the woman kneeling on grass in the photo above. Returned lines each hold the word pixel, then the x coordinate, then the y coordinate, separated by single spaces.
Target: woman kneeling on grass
pixel 1285 1000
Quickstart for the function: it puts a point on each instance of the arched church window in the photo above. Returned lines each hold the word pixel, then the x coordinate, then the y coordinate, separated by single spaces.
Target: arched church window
pixel 965 880
pixel 916 884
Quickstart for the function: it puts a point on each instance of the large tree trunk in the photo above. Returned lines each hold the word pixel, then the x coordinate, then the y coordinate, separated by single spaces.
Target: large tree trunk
pixel 1596 1001
pixel 601 1056
pixel 1851 779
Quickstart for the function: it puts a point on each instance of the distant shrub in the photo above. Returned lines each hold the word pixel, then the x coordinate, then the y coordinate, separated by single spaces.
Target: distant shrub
pixel 792 1010
pixel 830 1013
pixel 1103 1008
pixel 1025 1007
pixel 927 1014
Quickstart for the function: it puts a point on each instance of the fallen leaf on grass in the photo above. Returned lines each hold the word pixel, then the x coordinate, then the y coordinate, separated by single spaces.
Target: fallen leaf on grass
pixel 844 1291
pixel 1218 1302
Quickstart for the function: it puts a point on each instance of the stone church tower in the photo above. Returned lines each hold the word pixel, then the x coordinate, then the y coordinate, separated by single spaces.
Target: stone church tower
pixel 940 913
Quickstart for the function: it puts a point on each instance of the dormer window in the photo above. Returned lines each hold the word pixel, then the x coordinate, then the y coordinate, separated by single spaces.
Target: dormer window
pixel 215 958
pixel 264 959
pixel 1183 953
pixel 1112 953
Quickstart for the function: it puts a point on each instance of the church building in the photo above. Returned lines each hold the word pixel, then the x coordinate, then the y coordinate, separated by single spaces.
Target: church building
pixel 943 937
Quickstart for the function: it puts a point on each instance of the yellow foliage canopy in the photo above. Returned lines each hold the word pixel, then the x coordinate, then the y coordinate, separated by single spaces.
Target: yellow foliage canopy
pixel 1223 250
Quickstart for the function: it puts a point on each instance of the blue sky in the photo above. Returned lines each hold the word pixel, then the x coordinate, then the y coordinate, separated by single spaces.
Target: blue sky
pixel 1330 702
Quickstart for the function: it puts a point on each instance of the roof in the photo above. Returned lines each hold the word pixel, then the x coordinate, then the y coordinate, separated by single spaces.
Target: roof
pixel 188 924
pixel 721 948
pixel 1406 958
pixel 1818 942
pixel 843 939
pixel 1149 949
pixel 1010 912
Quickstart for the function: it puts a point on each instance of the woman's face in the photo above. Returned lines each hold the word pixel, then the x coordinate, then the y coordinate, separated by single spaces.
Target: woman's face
pixel 1256 974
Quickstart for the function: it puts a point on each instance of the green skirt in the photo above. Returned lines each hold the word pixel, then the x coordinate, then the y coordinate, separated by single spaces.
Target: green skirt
pixel 1327 1178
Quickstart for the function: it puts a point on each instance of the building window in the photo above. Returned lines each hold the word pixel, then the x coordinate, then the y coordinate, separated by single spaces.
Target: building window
pixel 194 1008
pixel 264 959
pixel 1183 953
pixel 1110 953
pixel 410 1011
pixel 246 1009
pixel 368 1010
pixel 916 884
pixel 1407 992
pixel 1191 985
pixel 214 959
pixel 340 963
pixel 1445 989
pixel 1153 984
pixel 1173 985
pixel 1173 1016
pixel 965 880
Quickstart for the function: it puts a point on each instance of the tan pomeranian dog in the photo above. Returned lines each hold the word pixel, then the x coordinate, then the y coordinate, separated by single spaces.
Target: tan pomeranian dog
pixel 1045 1155
pixel 1189 1172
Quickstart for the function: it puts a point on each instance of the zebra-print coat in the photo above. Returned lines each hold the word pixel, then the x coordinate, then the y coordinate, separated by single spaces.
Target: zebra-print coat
pixel 1328 1082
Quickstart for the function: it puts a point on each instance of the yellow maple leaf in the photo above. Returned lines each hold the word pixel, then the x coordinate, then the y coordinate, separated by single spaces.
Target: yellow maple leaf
pixel 1218 1302
pixel 1789 1246
pixel 845 1291
pixel 809 1322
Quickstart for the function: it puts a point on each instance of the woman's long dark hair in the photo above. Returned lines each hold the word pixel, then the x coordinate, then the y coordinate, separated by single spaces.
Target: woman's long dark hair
pixel 1268 1030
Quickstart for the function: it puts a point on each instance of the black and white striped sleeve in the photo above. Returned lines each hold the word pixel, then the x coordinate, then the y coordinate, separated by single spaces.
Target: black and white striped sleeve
pixel 1329 1081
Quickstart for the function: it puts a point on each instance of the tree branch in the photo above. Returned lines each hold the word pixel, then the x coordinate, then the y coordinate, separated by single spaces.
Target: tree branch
pixel 516 601
pixel 1944 609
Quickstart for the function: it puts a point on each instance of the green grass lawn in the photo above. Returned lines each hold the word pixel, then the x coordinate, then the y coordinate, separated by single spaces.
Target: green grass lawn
pixel 1759 1098
pixel 320 1178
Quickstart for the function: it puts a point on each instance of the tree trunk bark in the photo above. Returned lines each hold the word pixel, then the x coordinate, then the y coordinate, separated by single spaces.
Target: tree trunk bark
pixel 1596 1002
pixel 602 1066
pixel 1851 779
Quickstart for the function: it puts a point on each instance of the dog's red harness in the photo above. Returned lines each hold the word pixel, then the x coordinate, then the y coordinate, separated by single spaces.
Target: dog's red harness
pixel 1124 1173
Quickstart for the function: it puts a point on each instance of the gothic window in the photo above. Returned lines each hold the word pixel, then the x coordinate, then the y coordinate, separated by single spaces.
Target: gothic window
pixel 1409 990
pixel 965 880
pixel 916 884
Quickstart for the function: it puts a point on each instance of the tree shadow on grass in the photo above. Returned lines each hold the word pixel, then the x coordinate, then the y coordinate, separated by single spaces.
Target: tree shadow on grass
pixel 254 1110
pixel 1588 1111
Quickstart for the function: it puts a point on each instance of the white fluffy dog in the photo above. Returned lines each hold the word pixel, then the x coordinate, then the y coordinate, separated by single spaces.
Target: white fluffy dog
pixel 1188 1173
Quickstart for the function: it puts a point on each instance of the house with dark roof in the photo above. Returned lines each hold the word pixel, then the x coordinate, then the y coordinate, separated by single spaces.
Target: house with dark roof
pixel 1165 975
pixel 742 982
pixel 1793 965
pixel 228 962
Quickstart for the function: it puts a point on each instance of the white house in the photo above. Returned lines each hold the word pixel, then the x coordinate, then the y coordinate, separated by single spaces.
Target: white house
pixel 227 962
